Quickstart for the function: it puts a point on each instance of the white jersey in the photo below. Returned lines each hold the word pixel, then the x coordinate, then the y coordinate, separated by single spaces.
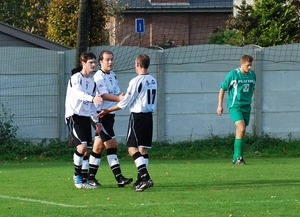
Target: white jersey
pixel 106 83
pixel 79 97
pixel 141 95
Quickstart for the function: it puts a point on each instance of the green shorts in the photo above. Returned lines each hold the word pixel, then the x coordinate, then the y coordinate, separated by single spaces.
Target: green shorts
pixel 240 113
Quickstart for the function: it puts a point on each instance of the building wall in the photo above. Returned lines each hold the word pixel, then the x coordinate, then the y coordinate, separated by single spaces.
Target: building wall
pixel 202 26
pixel 33 89
pixel 182 28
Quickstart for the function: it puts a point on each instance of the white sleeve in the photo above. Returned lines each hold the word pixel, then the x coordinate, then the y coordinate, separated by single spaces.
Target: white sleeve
pixel 77 90
pixel 129 97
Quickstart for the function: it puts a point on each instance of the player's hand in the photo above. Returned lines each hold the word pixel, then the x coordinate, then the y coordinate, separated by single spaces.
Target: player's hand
pixel 98 128
pixel 103 112
pixel 97 99
pixel 220 110
pixel 121 96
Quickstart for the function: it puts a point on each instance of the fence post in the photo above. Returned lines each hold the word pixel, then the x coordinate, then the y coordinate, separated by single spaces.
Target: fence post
pixel 257 127
pixel 61 96
pixel 160 96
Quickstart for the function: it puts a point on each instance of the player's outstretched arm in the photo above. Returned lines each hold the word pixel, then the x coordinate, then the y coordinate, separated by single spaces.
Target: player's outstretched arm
pixel 105 111
pixel 97 99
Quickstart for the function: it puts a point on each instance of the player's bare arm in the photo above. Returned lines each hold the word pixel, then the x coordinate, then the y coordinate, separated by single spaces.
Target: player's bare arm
pixel 105 111
pixel 113 98
pixel 97 99
pixel 121 96
pixel 220 102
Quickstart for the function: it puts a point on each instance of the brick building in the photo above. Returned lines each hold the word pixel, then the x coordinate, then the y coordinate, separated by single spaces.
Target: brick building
pixel 182 22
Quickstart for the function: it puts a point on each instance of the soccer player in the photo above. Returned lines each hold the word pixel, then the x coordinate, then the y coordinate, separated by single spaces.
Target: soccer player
pixel 240 84
pixel 108 86
pixel 80 108
pixel 141 98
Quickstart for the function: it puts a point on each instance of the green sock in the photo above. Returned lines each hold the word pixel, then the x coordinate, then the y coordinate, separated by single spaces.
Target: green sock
pixel 238 149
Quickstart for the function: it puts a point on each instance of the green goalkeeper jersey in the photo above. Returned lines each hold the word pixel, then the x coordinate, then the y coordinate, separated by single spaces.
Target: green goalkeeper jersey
pixel 240 87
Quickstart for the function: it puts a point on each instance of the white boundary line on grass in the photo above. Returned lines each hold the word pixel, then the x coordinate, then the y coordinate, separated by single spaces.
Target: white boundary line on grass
pixel 42 201
pixel 143 204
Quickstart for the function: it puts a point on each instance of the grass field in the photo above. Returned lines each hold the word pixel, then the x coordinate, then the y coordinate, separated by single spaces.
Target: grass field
pixel 203 187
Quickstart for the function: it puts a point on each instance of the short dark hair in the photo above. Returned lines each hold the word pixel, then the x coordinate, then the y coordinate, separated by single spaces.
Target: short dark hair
pixel 85 56
pixel 143 60
pixel 247 58
pixel 103 52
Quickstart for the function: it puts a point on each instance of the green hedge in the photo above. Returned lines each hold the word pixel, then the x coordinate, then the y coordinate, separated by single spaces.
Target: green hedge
pixel 212 147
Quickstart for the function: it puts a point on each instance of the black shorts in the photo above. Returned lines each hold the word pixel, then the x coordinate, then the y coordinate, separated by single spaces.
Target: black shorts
pixel 80 131
pixel 140 130
pixel 107 132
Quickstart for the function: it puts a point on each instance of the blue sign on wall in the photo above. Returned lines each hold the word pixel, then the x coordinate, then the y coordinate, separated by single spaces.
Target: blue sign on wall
pixel 139 25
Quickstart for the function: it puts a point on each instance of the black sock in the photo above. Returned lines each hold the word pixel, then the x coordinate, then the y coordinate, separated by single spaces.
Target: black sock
pixel 141 166
pixel 113 162
pixel 94 163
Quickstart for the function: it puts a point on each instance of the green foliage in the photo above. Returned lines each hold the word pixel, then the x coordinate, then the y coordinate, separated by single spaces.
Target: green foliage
pixel 242 25
pixel 220 147
pixel 27 150
pixel 98 35
pixel 223 36
pixel 211 147
pixel 55 19
pixel 7 129
pixel 267 23
pixel 278 22
pixel 63 21
pixel 29 15
pixel 217 37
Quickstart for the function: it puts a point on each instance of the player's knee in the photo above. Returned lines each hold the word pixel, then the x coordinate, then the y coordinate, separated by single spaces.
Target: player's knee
pixel 132 151
pixel 82 149
pixel 112 143
pixel 241 132
pixel 143 151
pixel 98 149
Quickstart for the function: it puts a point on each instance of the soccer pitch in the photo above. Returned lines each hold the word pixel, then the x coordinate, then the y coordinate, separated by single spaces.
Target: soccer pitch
pixel 199 187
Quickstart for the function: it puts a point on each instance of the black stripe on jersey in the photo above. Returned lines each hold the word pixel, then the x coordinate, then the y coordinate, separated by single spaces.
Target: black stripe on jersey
pixel 140 87
pixel 81 84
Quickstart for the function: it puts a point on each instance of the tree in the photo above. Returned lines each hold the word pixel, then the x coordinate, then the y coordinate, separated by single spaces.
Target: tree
pixel 267 23
pixel 278 22
pixel 63 21
pixel 115 19
pixel 244 22
pixel 57 20
pixel 238 28
pixel 296 3
pixel 29 15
